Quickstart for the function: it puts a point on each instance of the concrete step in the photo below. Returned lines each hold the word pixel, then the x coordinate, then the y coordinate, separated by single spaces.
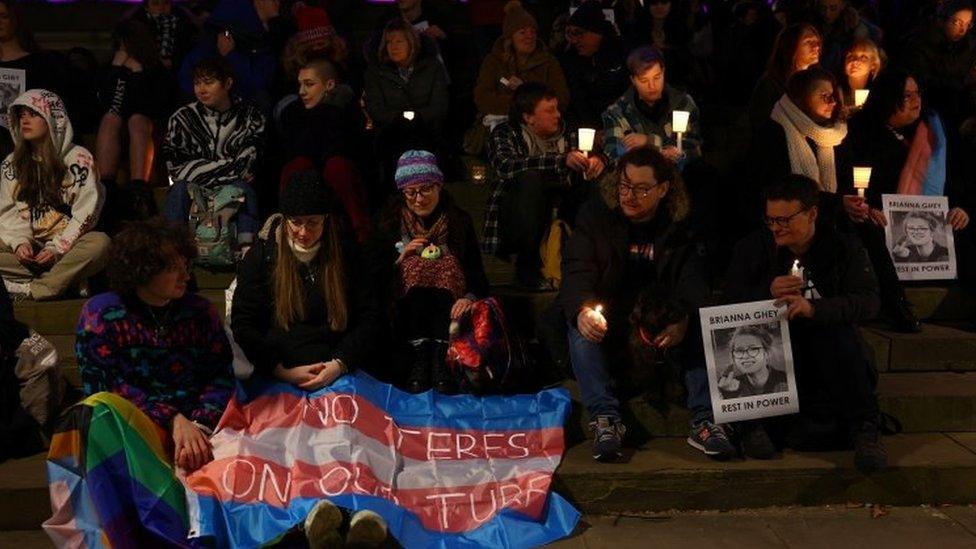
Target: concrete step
pixel 922 402
pixel 668 474
pixel 25 539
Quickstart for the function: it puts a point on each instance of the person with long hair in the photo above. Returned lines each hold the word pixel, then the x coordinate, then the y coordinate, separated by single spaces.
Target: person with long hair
pixel 797 48
pixel 136 92
pixel 301 312
pixel 424 253
pixel 862 63
pixel 155 368
pixel 50 199
pixel 321 131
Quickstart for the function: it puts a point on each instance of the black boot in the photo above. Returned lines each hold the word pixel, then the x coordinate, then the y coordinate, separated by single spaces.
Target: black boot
pixel 143 203
pixel 869 453
pixel 108 220
pixel 444 381
pixel 419 379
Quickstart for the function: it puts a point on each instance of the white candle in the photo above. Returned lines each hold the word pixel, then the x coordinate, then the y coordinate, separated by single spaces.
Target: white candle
pixel 860 96
pixel 797 270
pixel 408 115
pixel 586 136
pixel 862 177
pixel 679 121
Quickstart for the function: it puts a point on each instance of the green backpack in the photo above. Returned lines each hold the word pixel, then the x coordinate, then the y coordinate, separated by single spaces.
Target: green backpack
pixel 213 223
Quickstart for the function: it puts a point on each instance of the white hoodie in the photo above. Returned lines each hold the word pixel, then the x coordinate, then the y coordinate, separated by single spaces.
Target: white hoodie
pixel 80 189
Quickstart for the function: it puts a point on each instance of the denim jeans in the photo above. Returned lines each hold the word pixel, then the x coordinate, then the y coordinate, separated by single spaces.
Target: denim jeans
pixel 178 209
pixel 591 367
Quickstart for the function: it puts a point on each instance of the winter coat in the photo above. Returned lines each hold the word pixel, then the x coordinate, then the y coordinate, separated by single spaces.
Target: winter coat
pixel 837 264
pixel 209 148
pixel 493 97
pixel 309 340
pixel 944 70
pixel 176 362
pixel 423 91
pixel 595 258
pixel 594 82
pixel 52 228
pixel 326 130
pixel 624 117
pixel 462 241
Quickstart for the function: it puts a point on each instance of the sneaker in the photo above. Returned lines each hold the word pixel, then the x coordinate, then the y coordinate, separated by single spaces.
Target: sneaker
pixel 322 526
pixel 608 434
pixel 712 440
pixel 366 529
pixel 869 452
pixel 756 443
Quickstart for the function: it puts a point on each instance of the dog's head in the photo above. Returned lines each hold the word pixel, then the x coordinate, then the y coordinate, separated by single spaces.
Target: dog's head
pixel 654 310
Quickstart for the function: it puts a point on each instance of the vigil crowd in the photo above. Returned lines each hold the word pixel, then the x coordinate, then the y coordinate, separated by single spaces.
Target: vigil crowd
pixel 641 159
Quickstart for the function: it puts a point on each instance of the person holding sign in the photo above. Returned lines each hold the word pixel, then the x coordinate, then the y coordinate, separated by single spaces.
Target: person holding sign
pixel 622 245
pixel 837 290
pixel 750 372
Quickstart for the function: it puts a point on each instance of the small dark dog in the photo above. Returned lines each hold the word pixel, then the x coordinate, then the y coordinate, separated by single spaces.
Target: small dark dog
pixel 654 310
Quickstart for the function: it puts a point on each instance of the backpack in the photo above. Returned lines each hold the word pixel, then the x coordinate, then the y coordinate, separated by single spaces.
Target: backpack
pixel 213 224
pixel 551 251
pixel 484 355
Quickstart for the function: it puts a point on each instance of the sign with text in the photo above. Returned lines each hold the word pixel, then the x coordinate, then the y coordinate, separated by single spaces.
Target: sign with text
pixel 13 82
pixel 749 361
pixel 919 236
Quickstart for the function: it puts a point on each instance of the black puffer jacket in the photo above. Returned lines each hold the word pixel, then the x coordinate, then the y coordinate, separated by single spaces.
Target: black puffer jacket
pixel 424 91
pixel 265 344
pixel 837 264
pixel 594 82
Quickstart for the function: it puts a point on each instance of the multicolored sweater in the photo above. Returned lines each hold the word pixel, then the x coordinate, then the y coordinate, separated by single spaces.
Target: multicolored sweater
pixel 178 362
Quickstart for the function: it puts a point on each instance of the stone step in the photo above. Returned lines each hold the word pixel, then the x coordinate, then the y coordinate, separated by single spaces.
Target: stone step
pixel 666 473
pixel 922 402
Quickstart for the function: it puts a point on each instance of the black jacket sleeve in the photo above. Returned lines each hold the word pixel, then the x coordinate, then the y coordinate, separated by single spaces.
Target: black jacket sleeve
pixel 580 266
pixel 251 313
pixel 747 278
pixel 858 298
pixel 363 329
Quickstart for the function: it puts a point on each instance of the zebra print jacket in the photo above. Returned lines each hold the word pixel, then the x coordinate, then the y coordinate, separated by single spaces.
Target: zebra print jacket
pixel 211 148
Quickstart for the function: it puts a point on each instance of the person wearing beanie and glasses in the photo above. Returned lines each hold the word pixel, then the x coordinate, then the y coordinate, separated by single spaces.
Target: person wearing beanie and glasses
pixel 424 255
pixel 298 313
pixel 518 56
pixel 593 65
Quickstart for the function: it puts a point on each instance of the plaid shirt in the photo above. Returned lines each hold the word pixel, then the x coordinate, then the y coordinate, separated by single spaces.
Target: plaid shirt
pixel 508 156
pixel 623 117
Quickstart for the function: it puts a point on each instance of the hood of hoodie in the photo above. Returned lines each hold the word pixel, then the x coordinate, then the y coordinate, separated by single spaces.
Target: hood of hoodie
pixel 49 106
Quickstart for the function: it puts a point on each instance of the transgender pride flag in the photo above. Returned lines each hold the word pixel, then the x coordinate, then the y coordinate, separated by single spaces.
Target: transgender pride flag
pixel 456 471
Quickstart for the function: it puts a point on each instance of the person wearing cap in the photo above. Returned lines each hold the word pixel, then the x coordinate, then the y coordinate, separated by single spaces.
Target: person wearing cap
pixel 518 56
pixel 643 114
pixel 302 312
pixel 424 256
pixel 593 65
pixel 315 38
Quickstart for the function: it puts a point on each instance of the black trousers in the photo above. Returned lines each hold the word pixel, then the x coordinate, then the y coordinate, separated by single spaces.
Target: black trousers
pixel 873 239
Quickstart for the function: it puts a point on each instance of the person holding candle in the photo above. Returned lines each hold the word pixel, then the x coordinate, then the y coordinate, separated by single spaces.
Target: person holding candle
pixel 838 290
pixel 537 167
pixel 904 142
pixel 862 64
pixel 643 115
pixel 636 237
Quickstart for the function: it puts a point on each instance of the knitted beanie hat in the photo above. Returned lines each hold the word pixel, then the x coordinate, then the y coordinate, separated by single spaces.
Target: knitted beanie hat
pixel 589 16
pixel 313 23
pixel 417 167
pixel 516 19
pixel 306 194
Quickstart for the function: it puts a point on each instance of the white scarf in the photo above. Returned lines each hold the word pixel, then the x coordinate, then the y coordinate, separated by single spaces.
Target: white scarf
pixel 799 127
pixel 303 254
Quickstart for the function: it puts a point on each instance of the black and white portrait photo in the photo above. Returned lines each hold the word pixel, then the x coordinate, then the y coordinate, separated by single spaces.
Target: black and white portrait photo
pixel 12 84
pixel 749 361
pixel 919 237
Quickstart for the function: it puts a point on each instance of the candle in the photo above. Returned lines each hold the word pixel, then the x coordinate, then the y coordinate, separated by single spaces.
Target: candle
pixel 408 115
pixel 797 270
pixel 862 176
pixel 478 173
pixel 586 136
pixel 679 121
pixel 860 96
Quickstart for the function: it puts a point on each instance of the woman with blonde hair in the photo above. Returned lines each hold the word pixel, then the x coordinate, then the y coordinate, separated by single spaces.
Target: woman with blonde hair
pixel 863 60
pixel 300 312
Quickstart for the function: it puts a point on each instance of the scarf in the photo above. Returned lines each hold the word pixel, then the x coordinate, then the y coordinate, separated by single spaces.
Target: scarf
pixel 444 272
pixel 799 127
pixel 303 254
pixel 539 146
pixel 924 172
pixel 165 27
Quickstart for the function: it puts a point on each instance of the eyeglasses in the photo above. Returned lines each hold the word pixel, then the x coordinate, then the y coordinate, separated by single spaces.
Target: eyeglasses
pixel 919 230
pixel 782 221
pixel 643 191
pixel 423 190
pixel 828 98
pixel 747 352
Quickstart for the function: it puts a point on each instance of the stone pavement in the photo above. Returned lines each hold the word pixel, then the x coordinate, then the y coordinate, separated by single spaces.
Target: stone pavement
pixel 831 527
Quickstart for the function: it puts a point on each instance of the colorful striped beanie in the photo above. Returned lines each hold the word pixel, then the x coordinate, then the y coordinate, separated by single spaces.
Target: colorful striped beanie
pixel 415 167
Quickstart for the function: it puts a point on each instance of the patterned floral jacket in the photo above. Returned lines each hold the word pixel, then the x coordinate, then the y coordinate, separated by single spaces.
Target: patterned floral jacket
pixel 167 362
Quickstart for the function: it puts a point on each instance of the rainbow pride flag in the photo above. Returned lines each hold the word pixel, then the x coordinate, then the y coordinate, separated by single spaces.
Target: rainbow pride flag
pixel 111 479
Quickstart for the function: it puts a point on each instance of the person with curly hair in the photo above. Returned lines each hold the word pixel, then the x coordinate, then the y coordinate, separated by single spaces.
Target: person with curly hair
pixel 156 373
